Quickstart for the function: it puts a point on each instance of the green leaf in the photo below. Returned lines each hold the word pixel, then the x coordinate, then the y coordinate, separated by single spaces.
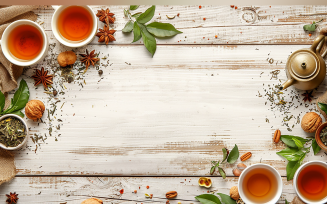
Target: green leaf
pixel 148 39
pixel 315 147
pixel 222 172
pixel 128 27
pixel 137 32
pixel 213 168
pixel 286 202
pixel 291 154
pixel 125 13
pixel 323 107
pixel 19 113
pixel 162 29
pixel 310 27
pixel 298 143
pixel 291 168
pixel 225 154
pixel 136 15
pixel 226 199
pixel 147 15
pixel 2 101
pixel 233 155
pixel 133 7
pixel 20 98
pixel 208 199
pixel 288 140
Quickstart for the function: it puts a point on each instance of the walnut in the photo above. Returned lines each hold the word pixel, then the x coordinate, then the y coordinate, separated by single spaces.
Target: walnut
pixel 34 109
pixel 92 201
pixel 66 58
pixel 234 193
pixel 310 122
pixel 297 200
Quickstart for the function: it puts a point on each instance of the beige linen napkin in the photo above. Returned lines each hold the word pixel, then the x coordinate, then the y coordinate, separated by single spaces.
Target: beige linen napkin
pixel 9 74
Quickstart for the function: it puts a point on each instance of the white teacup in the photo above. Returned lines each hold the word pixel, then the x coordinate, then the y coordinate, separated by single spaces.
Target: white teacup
pixel 64 41
pixel 295 181
pixel 11 57
pixel 272 170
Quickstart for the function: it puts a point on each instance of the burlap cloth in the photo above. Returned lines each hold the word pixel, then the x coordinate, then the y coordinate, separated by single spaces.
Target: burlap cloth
pixel 9 73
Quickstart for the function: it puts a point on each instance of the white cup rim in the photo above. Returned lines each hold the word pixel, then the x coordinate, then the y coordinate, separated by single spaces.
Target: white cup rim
pixel 296 177
pixel 55 31
pixel 254 166
pixel 6 51
pixel 25 139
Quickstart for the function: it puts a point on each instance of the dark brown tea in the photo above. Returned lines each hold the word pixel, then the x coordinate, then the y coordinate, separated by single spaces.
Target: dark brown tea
pixel 312 182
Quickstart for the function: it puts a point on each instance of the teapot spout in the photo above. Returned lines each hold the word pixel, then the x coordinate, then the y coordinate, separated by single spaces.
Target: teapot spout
pixel 286 84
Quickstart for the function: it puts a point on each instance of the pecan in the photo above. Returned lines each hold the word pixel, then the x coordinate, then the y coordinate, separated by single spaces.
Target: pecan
pixel 246 156
pixel 277 136
pixel 171 194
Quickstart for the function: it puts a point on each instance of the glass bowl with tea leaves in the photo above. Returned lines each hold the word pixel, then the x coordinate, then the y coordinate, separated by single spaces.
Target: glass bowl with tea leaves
pixel 321 136
pixel 13 132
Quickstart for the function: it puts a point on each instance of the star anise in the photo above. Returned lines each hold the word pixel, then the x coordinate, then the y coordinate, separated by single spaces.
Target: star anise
pixel 89 59
pixel 12 198
pixel 307 96
pixel 106 35
pixel 105 16
pixel 42 76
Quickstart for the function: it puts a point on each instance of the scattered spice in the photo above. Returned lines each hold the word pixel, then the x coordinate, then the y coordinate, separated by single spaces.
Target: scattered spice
pixel 106 16
pixel 170 17
pixel 100 72
pixel 204 19
pixel 147 187
pixel 216 36
pixel 106 35
pixel 135 191
pixel 121 191
pixel 310 34
pixel 232 6
pixel 12 132
pixel 12 198
pixel 54 92
pixel 235 7
pixel 176 15
pixel 89 59
pixel 307 96
pixel 42 76
pixel 200 7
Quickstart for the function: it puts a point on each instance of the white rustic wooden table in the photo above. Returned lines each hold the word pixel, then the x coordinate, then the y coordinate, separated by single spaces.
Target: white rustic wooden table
pixel 160 121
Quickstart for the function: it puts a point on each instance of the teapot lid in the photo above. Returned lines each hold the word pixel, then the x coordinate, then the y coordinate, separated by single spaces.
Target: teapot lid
pixel 303 63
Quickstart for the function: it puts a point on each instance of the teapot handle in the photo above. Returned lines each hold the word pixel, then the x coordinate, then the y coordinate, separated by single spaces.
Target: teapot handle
pixel 317 45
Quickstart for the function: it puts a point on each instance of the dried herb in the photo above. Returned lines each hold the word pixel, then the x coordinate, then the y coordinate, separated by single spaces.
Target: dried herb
pixel 295 152
pixel 12 198
pixel 229 157
pixel 18 102
pixel 12 132
pixel 307 96
pixel 137 24
pixel 42 76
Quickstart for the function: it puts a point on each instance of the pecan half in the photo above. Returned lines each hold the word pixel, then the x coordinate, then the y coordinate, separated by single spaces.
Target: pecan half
pixel 246 156
pixel 171 194
pixel 277 136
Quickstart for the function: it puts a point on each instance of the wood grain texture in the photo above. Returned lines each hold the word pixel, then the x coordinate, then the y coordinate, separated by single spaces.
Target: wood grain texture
pixel 167 115
pixel 73 190
pixel 271 24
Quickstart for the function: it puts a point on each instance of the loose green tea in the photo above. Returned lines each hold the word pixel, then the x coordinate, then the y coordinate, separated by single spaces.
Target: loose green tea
pixel 12 132
pixel 323 135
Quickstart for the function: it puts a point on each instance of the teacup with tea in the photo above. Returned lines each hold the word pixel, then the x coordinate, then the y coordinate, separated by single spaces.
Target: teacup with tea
pixel 260 183
pixel 24 43
pixel 310 182
pixel 74 26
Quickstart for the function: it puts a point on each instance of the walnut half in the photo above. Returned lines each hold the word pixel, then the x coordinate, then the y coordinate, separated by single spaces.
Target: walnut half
pixel 310 122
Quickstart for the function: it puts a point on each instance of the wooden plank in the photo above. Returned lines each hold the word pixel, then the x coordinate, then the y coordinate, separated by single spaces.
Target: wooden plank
pixel 73 190
pixel 167 115
pixel 271 25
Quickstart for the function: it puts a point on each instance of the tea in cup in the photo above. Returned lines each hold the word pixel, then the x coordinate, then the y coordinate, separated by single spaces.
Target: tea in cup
pixel 24 43
pixel 74 26
pixel 310 182
pixel 260 183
